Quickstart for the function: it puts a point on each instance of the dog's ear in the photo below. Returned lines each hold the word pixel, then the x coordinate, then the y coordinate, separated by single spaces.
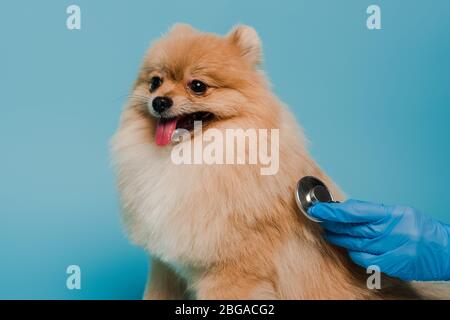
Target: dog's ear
pixel 248 41
pixel 181 29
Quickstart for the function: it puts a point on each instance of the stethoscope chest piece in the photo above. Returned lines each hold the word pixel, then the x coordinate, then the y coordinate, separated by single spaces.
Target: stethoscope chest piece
pixel 310 191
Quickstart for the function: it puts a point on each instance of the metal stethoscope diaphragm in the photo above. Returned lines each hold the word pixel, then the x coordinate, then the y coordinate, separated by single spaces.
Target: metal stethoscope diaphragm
pixel 310 191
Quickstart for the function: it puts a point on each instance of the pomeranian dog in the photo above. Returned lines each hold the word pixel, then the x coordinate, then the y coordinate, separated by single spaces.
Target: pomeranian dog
pixel 224 231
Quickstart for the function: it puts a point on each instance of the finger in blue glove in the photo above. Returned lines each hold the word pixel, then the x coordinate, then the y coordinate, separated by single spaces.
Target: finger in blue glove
pixel 402 241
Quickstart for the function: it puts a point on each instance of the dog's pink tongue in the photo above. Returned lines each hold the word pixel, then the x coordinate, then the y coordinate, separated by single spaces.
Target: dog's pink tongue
pixel 164 131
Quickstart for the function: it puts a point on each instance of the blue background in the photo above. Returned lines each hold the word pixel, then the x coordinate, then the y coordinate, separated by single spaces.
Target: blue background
pixel 374 104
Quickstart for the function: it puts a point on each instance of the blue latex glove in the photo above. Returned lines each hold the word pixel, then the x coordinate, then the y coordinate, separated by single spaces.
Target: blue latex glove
pixel 401 241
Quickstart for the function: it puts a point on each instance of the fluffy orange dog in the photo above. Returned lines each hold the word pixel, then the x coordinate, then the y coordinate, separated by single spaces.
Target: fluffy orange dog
pixel 223 231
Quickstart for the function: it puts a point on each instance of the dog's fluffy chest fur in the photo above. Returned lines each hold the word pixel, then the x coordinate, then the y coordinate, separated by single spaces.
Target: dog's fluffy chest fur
pixel 193 213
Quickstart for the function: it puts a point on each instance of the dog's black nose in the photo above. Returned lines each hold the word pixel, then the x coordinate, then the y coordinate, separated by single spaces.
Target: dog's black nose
pixel 161 104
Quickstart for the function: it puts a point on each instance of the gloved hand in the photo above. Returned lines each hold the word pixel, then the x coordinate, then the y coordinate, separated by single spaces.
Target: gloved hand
pixel 401 241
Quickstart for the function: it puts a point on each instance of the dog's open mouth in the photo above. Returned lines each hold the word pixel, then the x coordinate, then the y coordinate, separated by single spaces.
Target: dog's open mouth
pixel 166 127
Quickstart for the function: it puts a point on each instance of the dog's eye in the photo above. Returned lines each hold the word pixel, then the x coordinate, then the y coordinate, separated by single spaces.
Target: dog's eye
pixel 155 83
pixel 198 87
